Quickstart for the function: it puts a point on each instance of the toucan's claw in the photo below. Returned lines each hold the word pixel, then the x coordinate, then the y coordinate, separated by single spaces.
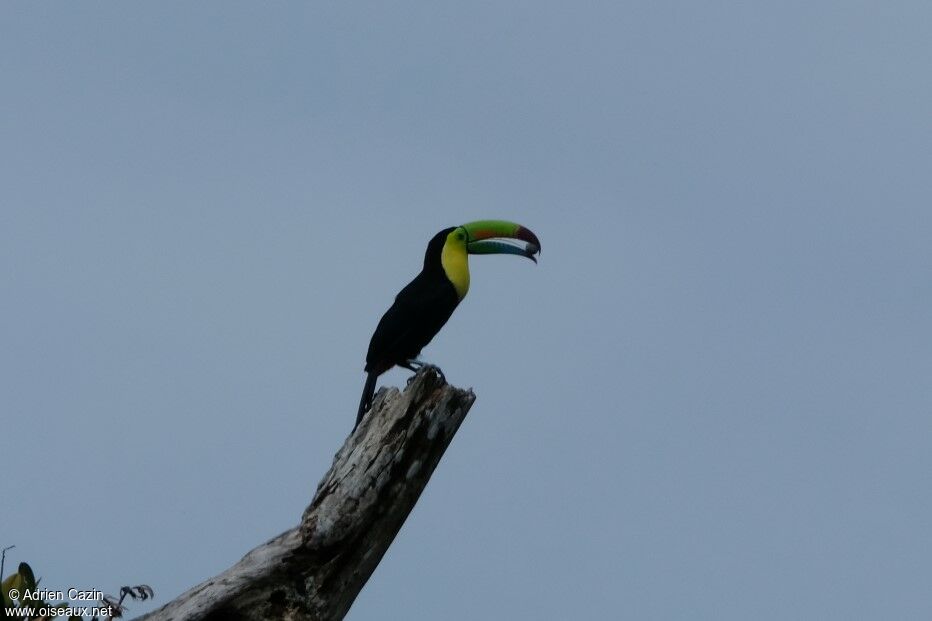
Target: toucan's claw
pixel 435 369
pixel 417 365
pixel 412 365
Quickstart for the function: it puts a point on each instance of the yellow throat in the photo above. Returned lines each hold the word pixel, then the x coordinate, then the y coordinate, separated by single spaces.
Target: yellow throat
pixel 455 262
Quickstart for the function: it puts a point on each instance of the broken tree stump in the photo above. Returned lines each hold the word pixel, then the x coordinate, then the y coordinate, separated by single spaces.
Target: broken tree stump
pixel 316 570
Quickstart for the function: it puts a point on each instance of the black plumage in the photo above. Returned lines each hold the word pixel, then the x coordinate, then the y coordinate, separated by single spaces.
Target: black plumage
pixel 419 312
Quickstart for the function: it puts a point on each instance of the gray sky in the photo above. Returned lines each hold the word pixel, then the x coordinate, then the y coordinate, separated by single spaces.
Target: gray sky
pixel 711 399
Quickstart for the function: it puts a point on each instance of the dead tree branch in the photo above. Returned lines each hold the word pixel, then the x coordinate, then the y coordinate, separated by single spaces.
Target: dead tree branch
pixel 315 571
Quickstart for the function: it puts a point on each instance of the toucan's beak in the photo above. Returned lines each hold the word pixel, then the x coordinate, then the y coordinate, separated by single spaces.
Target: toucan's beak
pixel 488 237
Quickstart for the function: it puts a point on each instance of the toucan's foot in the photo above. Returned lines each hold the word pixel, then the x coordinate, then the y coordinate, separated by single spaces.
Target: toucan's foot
pixel 435 369
pixel 417 365
pixel 412 365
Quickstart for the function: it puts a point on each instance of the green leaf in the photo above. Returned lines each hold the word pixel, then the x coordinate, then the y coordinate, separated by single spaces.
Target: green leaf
pixel 5 601
pixel 29 578
pixel 13 581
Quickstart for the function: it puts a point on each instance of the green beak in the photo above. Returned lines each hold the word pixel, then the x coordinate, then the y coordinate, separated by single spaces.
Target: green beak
pixel 488 237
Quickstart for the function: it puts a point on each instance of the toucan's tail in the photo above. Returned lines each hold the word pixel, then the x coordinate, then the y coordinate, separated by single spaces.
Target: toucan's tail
pixel 366 402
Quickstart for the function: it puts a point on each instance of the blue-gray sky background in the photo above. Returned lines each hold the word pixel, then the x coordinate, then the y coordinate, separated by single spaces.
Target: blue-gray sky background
pixel 711 399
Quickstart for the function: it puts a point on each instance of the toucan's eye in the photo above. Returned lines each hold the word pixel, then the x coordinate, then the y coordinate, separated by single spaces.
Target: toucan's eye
pixel 460 236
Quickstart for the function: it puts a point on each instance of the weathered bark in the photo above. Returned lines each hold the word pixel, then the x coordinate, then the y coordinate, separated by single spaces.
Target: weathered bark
pixel 315 571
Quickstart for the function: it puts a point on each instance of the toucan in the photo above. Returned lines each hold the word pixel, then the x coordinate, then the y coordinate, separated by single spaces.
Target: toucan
pixel 426 303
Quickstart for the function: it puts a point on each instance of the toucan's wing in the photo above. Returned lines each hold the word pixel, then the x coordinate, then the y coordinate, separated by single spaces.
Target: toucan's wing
pixel 418 313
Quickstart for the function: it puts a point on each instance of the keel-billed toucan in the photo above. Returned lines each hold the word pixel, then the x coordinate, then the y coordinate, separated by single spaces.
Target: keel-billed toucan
pixel 425 304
